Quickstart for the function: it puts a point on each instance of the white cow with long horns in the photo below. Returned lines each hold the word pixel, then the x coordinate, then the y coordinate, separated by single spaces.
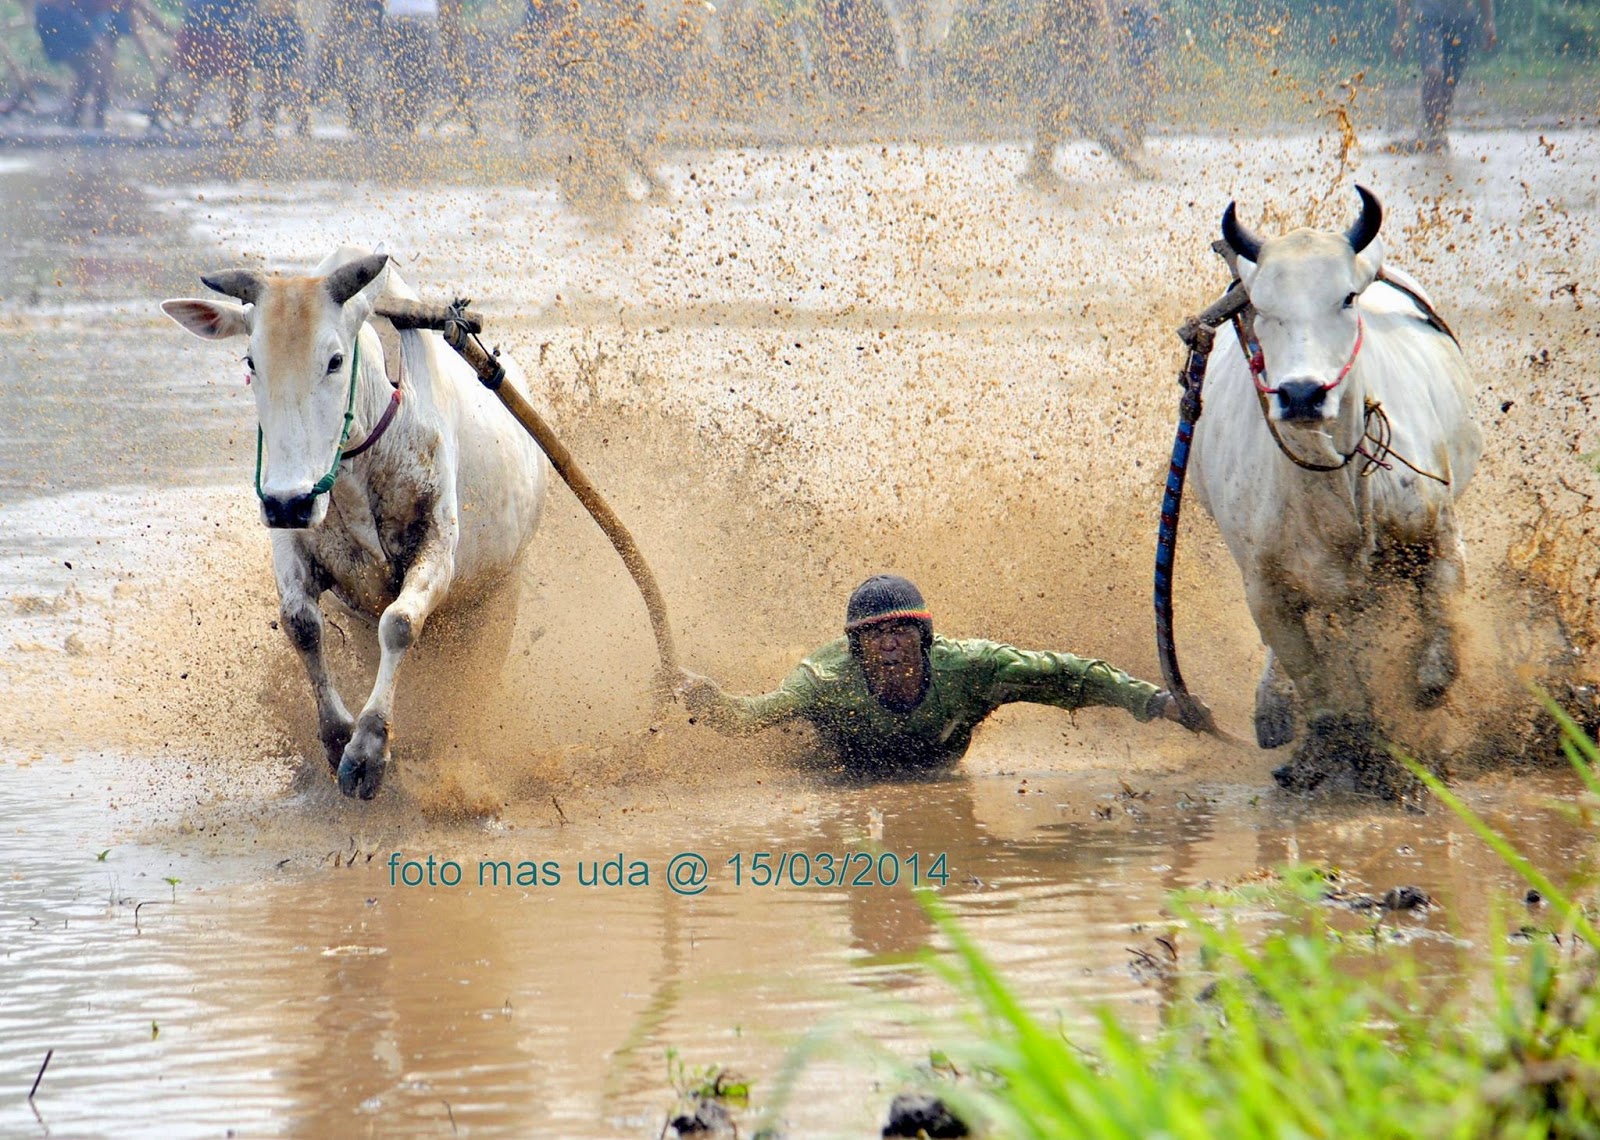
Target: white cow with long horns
pixel 1331 453
pixel 392 488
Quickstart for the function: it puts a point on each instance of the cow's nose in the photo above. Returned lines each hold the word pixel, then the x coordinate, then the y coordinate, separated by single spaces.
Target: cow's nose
pixel 292 513
pixel 1301 399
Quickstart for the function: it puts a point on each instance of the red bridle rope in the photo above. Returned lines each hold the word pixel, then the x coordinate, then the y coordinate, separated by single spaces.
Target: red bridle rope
pixel 1258 365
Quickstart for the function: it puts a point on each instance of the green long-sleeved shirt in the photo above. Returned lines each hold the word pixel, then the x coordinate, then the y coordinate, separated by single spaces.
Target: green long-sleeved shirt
pixel 971 678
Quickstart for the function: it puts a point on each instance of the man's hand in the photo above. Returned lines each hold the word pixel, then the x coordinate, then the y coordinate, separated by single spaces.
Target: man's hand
pixel 698 694
pixel 1199 718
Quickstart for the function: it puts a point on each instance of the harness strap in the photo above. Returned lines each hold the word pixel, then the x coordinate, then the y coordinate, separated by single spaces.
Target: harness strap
pixel 1429 313
pixel 378 429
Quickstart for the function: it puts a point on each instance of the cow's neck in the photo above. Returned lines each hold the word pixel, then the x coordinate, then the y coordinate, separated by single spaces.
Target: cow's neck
pixel 387 481
pixel 382 499
pixel 374 393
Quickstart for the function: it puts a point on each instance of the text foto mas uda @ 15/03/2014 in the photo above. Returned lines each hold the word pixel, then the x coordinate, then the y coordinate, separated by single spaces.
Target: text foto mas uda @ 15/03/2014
pixel 685 873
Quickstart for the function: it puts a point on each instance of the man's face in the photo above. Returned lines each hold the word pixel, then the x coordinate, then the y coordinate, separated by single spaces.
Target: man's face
pixel 891 656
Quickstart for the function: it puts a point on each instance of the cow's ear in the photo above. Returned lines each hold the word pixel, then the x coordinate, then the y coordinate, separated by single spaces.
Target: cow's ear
pixel 358 284
pixel 209 320
pixel 1247 272
pixel 1368 262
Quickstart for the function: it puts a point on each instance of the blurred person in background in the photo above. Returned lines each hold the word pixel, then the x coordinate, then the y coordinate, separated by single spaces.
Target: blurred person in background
pixel 547 49
pixel 213 46
pixel 122 20
pixel 278 54
pixel 859 51
pixel 625 79
pixel 1139 28
pixel 1445 31
pixel 1080 51
pixel 410 44
pixel 456 71
pixel 586 71
pixel 75 34
pixel 347 52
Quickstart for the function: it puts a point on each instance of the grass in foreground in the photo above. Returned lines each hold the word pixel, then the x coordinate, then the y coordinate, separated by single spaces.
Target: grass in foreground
pixel 1302 1035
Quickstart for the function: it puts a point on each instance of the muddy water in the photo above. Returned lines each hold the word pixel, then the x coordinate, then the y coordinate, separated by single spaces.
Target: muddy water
pixel 911 364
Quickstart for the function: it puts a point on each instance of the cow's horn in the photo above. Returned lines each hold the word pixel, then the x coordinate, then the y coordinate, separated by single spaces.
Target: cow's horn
pixel 1361 234
pixel 354 276
pixel 245 284
pixel 1242 241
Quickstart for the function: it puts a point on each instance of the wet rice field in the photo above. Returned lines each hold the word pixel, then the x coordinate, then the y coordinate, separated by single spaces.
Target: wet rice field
pixel 801 365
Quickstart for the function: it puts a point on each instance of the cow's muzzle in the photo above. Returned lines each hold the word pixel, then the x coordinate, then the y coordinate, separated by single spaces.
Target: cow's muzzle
pixel 1301 400
pixel 288 513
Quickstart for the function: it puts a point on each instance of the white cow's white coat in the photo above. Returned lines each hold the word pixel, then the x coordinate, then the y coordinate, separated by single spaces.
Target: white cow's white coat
pixel 1312 545
pixel 443 504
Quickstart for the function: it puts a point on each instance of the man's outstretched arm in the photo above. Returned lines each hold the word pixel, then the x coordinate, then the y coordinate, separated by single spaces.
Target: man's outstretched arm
pixel 744 716
pixel 1068 681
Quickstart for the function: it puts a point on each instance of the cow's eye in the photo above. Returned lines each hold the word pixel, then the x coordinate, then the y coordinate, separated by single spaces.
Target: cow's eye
pixel 250 362
pixel 335 362
pixel 1350 300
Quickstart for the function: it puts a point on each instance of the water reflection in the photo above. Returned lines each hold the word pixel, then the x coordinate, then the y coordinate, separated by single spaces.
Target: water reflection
pixel 317 1002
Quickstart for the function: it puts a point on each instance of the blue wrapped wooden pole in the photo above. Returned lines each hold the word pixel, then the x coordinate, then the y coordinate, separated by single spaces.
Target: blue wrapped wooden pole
pixel 1199 333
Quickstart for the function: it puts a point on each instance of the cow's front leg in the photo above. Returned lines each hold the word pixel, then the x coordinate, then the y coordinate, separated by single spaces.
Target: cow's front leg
pixel 367 755
pixel 298 591
pixel 1274 705
pixel 1437 663
pixel 1291 654
pixel 1326 685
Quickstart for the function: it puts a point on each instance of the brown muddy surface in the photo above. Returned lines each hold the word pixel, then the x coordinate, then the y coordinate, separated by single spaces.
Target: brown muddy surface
pixel 807 365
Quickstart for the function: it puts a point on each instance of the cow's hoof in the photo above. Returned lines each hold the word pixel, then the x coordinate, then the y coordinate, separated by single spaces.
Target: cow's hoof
pixel 1436 672
pixel 1274 708
pixel 1380 776
pixel 1274 726
pixel 1336 745
pixel 1297 776
pixel 361 778
pixel 365 759
pixel 335 738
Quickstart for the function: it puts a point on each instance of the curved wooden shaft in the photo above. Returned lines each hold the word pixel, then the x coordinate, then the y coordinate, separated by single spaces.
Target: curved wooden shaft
pixel 493 375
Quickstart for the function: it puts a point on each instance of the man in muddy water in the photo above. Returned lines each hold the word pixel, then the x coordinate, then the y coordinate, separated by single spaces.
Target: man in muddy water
pixel 890 697
pixel 1446 32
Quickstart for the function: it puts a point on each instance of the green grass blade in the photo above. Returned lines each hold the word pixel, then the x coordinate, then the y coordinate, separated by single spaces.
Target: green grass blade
pixel 1503 847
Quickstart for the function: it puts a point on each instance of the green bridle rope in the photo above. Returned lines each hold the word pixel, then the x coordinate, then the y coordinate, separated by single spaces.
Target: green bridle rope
pixel 325 484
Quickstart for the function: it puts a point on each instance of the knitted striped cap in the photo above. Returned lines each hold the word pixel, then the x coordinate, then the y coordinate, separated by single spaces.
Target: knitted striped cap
pixel 886 597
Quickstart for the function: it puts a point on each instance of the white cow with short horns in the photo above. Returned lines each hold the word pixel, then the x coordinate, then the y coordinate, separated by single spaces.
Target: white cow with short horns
pixel 1334 445
pixel 392 487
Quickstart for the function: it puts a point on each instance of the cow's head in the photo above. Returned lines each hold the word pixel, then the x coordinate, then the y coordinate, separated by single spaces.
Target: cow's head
pixel 302 331
pixel 1305 287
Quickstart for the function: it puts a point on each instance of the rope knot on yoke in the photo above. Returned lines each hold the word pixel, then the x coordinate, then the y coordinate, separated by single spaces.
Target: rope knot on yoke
pixel 457 328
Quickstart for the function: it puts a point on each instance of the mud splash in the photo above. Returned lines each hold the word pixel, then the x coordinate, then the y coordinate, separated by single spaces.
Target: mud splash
pixel 910 364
